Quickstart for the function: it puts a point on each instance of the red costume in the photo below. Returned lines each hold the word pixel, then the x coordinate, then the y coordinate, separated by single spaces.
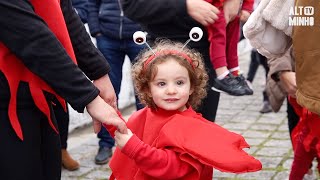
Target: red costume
pixel 179 145
pixel 224 37
pixel 15 71
pixel 305 139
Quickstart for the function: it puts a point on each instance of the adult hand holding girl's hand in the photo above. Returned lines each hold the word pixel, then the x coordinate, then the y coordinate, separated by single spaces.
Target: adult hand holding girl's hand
pixel 101 112
pixel 122 138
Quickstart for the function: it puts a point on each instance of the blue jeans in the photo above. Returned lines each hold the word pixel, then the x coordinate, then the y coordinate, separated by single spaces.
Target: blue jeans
pixel 114 50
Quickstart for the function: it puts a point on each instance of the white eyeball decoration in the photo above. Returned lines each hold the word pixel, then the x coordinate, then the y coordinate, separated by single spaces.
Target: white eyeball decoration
pixel 195 34
pixel 139 37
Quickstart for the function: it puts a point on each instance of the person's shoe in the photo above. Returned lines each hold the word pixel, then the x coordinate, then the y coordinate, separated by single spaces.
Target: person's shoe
pixel 245 84
pixel 229 85
pixel 103 156
pixel 67 161
pixel 266 108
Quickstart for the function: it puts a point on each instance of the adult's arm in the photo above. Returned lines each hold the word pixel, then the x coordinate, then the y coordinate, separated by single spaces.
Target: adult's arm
pixel 89 58
pixel 281 64
pixel 30 39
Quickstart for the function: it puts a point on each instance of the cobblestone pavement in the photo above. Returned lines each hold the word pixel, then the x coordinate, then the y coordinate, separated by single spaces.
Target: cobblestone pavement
pixel 267 135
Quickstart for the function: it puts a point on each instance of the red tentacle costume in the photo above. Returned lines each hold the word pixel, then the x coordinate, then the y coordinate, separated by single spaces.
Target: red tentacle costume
pixel 15 71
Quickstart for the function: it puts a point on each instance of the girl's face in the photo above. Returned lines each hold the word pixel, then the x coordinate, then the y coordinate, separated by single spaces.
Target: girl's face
pixel 170 89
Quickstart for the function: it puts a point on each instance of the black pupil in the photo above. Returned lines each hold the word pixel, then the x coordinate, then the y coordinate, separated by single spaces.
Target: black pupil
pixel 139 40
pixel 195 35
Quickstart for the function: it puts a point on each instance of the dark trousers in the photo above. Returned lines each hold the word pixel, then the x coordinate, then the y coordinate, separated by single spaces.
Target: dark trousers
pixel 209 105
pixel 38 156
pixel 256 60
pixel 63 122
pixel 293 118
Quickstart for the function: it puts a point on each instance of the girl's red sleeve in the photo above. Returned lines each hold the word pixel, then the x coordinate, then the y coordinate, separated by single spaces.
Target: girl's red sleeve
pixel 158 163
pixel 248 5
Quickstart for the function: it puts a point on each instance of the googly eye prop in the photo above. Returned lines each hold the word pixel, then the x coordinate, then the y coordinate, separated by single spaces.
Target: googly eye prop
pixel 195 35
pixel 140 38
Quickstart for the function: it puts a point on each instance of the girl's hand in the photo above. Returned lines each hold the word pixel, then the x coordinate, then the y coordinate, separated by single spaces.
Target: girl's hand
pixel 122 139
pixel 231 9
pixel 244 15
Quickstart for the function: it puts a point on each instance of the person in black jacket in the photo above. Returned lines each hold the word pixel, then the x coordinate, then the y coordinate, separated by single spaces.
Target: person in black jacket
pixel 62 116
pixel 113 32
pixel 30 145
pixel 174 19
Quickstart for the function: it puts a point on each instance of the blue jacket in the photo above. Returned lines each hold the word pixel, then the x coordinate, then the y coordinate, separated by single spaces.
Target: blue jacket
pixel 107 17
pixel 81 7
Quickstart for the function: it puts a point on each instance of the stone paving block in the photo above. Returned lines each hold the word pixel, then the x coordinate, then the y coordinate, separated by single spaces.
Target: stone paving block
pixel 256 134
pixel 99 175
pixel 85 149
pixel 284 175
pixel 271 120
pixel 222 175
pixel 255 141
pixel 69 178
pixel 78 173
pixel 273 152
pixel 260 175
pixel 281 135
pixel 250 150
pixel 250 113
pixel 283 127
pixel 270 162
pixel 236 126
pixel 287 164
pixel 263 127
pixel 228 112
pixel 243 119
pixel 278 143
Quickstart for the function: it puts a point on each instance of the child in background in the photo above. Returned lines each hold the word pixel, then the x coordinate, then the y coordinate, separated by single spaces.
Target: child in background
pixel 169 140
pixel 223 37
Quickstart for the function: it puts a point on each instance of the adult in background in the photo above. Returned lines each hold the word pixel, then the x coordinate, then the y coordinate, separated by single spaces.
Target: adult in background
pixel 39 43
pixel 113 32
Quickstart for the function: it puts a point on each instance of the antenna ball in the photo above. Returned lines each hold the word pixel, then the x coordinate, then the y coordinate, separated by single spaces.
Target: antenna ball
pixel 139 37
pixel 195 34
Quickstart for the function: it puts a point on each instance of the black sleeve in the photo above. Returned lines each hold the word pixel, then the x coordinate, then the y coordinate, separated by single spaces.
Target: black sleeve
pixel 29 38
pixel 89 58
pixel 154 11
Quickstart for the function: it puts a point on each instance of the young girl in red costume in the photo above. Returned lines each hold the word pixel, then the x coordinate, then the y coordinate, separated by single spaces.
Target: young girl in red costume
pixel 224 36
pixel 169 140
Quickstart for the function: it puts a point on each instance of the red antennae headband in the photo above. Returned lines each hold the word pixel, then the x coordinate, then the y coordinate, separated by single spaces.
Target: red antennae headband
pixel 167 52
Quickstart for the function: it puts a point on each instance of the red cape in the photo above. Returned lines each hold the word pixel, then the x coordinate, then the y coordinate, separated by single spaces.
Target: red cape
pixel 197 140
pixel 15 71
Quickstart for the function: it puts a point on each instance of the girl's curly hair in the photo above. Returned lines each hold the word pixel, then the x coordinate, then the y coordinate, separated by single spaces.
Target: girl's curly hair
pixel 142 75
